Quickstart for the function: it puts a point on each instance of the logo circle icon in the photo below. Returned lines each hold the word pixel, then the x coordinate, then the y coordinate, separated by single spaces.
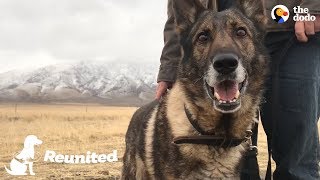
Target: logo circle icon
pixel 280 14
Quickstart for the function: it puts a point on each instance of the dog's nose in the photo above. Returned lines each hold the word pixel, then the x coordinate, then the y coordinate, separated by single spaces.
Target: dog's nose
pixel 225 63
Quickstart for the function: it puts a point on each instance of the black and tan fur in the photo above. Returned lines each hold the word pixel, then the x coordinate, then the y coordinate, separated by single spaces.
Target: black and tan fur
pixel 150 151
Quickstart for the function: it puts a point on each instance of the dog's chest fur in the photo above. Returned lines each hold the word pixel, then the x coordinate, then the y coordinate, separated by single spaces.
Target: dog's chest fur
pixel 215 163
pixel 186 161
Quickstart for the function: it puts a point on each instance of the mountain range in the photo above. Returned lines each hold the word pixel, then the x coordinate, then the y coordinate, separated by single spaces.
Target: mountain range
pixel 110 83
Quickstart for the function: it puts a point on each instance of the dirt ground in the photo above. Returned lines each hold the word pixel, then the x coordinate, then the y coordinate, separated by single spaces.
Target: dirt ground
pixel 71 129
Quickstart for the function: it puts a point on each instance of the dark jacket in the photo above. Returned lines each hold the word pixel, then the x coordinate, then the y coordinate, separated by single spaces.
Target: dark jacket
pixel 171 53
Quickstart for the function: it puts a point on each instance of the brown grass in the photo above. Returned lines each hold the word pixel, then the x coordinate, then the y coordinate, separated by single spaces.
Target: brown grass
pixel 72 129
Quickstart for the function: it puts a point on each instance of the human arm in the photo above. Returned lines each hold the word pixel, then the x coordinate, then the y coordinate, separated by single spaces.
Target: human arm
pixel 170 57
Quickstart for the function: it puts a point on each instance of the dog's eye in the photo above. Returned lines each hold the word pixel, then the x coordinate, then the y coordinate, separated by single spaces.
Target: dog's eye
pixel 241 32
pixel 203 37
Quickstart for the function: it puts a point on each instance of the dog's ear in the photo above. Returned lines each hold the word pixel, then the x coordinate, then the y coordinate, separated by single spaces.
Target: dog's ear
pixel 29 141
pixel 185 13
pixel 253 9
pixel 26 143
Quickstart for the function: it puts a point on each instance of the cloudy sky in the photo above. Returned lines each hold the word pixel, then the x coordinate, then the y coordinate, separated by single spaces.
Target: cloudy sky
pixel 35 33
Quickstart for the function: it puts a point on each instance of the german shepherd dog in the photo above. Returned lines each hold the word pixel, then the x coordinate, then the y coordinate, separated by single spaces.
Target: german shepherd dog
pixel 199 129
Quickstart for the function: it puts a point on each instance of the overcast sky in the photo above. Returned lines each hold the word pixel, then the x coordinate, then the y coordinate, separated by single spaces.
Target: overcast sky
pixel 35 33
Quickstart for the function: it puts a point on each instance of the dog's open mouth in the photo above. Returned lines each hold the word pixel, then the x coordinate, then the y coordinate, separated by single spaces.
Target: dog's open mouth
pixel 226 95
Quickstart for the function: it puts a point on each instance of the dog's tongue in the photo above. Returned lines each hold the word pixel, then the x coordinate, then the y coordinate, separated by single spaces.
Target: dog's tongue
pixel 227 90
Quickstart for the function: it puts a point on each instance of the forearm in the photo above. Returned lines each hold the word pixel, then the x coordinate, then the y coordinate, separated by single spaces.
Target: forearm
pixel 171 53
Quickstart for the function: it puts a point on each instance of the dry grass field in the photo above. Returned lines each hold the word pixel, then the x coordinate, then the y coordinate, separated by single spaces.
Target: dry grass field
pixel 72 129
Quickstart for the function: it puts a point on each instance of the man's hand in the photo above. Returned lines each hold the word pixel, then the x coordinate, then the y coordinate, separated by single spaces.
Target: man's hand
pixel 162 88
pixel 305 28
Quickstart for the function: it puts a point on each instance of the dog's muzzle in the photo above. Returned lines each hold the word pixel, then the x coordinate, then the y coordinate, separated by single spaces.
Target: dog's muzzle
pixel 226 82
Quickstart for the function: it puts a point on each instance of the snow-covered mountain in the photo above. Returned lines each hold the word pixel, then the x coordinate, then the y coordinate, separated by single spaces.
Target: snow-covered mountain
pixel 110 83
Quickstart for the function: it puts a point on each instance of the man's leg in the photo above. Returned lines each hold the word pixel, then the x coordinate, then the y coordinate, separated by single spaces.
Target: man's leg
pixel 295 141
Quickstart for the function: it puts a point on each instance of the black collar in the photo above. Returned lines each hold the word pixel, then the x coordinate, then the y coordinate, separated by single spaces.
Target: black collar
pixel 194 123
pixel 206 139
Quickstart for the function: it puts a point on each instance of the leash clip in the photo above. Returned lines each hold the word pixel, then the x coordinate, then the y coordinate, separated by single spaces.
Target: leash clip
pixel 248 134
pixel 255 149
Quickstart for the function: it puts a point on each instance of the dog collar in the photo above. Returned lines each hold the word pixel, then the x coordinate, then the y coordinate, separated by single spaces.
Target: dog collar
pixel 209 140
pixel 20 160
pixel 205 139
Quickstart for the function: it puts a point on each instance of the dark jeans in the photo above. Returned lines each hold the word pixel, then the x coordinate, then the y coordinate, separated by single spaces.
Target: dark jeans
pixel 293 123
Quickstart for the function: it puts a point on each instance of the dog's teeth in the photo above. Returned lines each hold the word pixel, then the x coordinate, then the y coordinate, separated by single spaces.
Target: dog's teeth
pixel 237 94
pixel 224 101
pixel 217 95
pixel 220 101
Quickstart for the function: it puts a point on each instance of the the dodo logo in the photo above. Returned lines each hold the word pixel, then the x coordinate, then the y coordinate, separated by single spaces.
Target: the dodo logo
pixel 280 14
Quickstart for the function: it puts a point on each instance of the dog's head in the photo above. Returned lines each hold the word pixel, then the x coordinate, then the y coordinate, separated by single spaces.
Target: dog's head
pixel 223 54
pixel 31 140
